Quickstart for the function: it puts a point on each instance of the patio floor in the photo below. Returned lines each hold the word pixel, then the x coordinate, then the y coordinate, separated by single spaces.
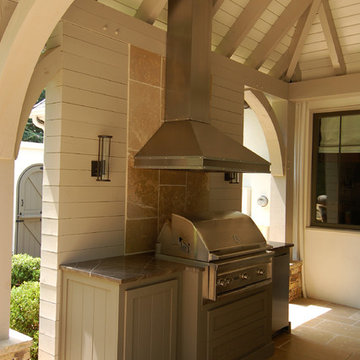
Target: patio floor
pixel 320 331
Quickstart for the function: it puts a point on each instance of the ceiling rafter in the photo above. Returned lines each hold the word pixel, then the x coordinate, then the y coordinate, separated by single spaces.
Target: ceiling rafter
pixel 150 10
pixel 283 63
pixel 332 39
pixel 280 28
pixel 241 27
pixel 216 5
pixel 296 52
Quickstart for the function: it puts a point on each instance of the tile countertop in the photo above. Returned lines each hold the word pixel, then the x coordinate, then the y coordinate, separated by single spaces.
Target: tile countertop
pixel 277 245
pixel 125 269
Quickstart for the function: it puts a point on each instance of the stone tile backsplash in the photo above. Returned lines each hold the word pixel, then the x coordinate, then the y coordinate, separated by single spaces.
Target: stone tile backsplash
pixel 152 195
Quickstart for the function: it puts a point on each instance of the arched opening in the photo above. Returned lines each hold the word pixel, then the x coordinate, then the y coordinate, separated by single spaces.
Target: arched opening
pixel 264 195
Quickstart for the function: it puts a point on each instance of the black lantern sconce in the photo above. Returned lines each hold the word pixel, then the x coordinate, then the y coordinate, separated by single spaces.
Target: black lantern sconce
pixel 232 177
pixel 100 168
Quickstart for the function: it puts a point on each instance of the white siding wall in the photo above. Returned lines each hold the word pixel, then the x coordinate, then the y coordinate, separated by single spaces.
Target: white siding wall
pixel 227 110
pixel 82 218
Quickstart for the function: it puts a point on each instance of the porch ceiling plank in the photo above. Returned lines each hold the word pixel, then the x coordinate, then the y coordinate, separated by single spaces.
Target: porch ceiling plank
pixel 216 5
pixel 280 28
pixel 150 10
pixel 302 34
pixel 332 39
pixel 241 27
pixel 229 69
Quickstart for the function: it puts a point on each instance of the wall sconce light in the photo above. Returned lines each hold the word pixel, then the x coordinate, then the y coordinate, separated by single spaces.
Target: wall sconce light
pixel 232 177
pixel 100 167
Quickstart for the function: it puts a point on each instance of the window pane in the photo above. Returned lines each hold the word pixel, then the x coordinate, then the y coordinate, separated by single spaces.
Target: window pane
pixel 350 134
pixel 329 134
pixel 327 188
pixel 336 170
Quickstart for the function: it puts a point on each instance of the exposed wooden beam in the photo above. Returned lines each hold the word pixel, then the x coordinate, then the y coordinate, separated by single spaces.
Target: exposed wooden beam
pixel 283 63
pixel 296 52
pixel 282 25
pixel 335 86
pixel 216 5
pixel 150 10
pixel 271 129
pixel 332 39
pixel 241 27
pixel 229 69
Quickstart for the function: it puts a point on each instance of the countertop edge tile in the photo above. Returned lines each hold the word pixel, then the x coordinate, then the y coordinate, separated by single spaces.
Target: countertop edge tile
pixel 125 269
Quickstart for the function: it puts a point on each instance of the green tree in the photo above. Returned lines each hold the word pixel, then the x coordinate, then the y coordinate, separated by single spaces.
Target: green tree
pixel 31 132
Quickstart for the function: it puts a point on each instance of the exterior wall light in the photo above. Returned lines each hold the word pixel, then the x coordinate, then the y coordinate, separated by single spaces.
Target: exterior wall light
pixel 232 177
pixel 100 167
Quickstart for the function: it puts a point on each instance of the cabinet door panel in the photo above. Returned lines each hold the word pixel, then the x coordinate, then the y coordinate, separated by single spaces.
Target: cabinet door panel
pixel 90 319
pixel 236 329
pixel 150 322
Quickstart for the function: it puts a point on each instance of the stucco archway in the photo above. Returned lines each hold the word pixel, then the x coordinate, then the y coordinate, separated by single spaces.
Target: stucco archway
pixel 28 30
pixel 268 121
pixel 23 40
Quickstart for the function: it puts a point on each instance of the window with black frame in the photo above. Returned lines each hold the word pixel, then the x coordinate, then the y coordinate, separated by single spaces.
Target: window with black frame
pixel 336 170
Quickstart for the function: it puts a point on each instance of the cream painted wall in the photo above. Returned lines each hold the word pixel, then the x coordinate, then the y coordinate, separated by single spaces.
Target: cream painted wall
pixel 332 265
pixel 6 214
pixel 331 257
pixel 254 139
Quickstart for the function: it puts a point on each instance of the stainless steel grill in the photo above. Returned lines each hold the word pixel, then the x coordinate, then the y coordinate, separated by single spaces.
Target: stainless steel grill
pixel 228 245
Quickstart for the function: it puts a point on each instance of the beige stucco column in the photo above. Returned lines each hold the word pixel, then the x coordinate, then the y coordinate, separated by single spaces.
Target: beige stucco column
pixel 6 226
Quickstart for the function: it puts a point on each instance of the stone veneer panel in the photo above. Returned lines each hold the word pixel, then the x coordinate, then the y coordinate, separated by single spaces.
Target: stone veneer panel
pixel 16 347
pixel 145 67
pixel 295 284
pixel 141 234
pixel 198 192
pixel 143 188
pixel 171 200
pixel 173 177
pixel 144 113
pixel 152 195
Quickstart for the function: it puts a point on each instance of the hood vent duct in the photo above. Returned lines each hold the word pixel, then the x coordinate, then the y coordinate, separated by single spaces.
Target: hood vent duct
pixel 186 140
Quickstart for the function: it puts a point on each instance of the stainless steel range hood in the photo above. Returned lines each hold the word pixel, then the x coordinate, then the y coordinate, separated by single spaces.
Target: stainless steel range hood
pixel 186 140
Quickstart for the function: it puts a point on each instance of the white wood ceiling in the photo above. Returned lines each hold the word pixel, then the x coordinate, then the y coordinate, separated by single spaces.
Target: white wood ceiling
pixel 289 39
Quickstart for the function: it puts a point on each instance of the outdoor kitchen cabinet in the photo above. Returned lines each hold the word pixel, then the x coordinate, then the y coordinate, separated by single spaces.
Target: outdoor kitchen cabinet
pixel 106 319
pixel 280 291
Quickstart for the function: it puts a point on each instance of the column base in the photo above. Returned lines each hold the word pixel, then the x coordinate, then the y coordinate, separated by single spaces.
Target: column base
pixel 17 346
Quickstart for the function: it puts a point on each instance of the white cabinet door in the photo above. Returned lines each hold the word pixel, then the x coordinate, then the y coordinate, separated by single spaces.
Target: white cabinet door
pixel 90 319
pixel 150 322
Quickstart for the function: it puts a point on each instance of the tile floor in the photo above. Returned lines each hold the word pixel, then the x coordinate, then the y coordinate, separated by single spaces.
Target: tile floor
pixel 320 331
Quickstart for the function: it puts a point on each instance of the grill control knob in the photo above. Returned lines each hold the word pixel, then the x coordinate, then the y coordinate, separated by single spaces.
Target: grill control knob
pixel 220 282
pixel 228 281
pixel 260 272
pixel 244 276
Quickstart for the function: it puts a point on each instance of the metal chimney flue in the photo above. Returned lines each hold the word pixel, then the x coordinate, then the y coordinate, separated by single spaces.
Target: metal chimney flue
pixel 187 90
